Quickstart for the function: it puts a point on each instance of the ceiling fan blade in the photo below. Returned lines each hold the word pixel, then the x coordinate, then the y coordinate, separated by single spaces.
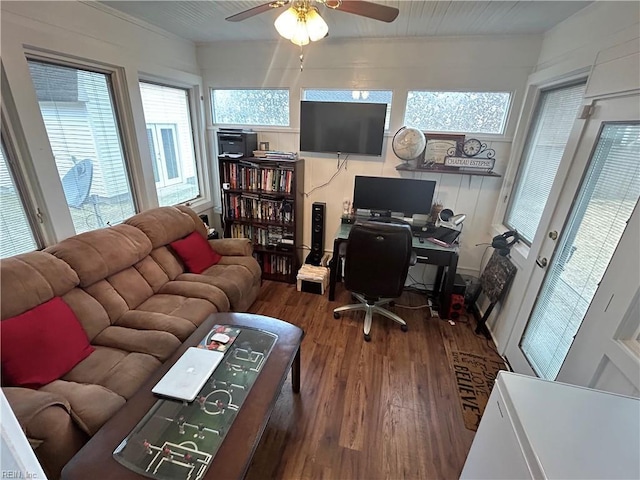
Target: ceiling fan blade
pixel 370 10
pixel 265 7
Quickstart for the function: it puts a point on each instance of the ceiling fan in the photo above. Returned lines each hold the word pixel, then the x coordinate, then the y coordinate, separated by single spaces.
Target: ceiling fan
pixel 302 22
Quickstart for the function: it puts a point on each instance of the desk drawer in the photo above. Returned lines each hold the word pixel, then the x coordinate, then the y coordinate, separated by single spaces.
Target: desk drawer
pixel 433 257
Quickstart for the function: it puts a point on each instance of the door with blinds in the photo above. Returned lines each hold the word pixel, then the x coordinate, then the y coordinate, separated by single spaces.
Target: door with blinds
pixel 591 218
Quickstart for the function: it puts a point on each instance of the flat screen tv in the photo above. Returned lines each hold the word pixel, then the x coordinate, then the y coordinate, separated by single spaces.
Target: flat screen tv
pixel 398 195
pixel 331 127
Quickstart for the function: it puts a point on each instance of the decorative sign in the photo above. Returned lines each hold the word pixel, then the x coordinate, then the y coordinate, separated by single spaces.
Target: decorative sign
pixel 470 162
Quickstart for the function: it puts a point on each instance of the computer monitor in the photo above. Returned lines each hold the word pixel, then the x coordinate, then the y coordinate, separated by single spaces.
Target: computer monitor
pixel 385 195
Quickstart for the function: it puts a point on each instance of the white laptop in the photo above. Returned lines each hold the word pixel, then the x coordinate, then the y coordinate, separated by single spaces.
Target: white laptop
pixel 188 375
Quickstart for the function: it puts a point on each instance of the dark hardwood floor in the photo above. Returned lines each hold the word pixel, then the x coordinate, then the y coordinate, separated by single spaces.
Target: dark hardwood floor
pixel 384 409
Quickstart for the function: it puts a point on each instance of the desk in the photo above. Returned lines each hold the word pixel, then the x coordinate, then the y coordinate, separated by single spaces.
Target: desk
pixel 426 252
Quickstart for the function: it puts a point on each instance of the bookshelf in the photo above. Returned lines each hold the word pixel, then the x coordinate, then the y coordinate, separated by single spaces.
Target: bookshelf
pixel 262 199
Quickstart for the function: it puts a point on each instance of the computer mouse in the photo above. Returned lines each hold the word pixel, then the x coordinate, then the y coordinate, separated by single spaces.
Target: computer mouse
pixel 220 338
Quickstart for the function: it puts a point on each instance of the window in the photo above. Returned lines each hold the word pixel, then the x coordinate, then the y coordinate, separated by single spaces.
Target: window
pixel 16 231
pixel 251 107
pixel 170 137
pixel 361 96
pixel 78 112
pixel 468 112
pixel 548 135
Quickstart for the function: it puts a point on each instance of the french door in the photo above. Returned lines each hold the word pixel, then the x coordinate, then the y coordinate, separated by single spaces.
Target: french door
pixel 163 146
pixel 591 218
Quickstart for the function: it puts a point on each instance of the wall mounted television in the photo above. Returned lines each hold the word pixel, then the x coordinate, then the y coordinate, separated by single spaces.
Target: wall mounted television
pixel 345 127
pixel 386 195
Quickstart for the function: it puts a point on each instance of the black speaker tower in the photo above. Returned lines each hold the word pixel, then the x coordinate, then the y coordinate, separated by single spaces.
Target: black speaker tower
pixel 317 233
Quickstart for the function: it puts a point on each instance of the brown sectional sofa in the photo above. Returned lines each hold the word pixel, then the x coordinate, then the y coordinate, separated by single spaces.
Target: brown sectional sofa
pixel 135 302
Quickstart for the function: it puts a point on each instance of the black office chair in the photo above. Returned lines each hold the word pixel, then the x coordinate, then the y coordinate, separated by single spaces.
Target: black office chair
pixel 377 260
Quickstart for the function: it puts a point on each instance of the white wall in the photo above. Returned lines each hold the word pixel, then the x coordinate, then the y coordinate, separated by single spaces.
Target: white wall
pixel 596 40
pixel 451 63
pixel 88 32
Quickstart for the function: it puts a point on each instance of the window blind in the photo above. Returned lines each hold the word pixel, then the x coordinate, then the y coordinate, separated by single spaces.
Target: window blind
pixel 607 197
pixel 555 115
pixel 16 235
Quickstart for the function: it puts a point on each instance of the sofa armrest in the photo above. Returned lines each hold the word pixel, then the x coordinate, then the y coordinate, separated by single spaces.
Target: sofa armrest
pixel 27 403
pixel 46 419
pixel 232 247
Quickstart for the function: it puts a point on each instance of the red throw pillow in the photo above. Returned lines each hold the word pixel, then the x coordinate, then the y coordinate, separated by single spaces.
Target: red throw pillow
pixel 41 345
pixel 195 252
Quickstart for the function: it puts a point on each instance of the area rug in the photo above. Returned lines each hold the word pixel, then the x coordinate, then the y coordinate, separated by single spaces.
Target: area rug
pixel 474 376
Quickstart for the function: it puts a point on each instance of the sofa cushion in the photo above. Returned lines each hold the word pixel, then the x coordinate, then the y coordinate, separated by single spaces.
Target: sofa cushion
pixel 199 224
pixel 234 279
pixel 181 328
pixel 119 371
pixel 163 225
pixel 100 253
pixel 195 252
pixel 30 279
pixel 158 343
pixel 194 310
pixel 198 290
pixel 42 344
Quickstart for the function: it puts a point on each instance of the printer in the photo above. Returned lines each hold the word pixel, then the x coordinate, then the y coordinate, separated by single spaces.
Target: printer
pixel 236 143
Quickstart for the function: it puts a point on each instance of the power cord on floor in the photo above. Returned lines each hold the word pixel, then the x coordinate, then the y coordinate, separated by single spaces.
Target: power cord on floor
pixel 409 307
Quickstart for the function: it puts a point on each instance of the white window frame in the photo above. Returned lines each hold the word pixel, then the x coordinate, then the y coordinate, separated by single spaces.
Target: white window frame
pixel 536 85
pixel 192 85
pixel 123 117
pixel 15 142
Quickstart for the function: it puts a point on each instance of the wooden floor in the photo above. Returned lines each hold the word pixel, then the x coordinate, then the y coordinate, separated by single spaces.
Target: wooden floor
pixel 385 409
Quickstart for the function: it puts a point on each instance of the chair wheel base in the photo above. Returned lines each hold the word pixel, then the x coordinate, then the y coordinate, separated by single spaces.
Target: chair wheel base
pixel 336 315
pixel 367 337
pixel 404 328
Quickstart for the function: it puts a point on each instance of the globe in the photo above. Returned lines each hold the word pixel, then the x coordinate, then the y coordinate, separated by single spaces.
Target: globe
pixel 408 143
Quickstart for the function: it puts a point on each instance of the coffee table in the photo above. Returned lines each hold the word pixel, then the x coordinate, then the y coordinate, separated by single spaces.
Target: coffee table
pixel 234 455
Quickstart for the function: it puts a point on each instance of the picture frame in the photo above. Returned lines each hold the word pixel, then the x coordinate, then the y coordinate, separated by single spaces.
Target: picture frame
pixel 264 146
pixel 439 146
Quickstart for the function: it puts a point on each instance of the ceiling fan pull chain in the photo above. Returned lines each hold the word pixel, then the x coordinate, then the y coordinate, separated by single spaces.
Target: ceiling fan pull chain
pixel 301 57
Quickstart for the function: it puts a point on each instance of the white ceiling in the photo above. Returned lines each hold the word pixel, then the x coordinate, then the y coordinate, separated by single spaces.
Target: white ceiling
pixel 204 21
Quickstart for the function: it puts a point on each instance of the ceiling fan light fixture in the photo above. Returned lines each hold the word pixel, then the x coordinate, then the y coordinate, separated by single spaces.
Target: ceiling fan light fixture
pixel 300 36
pixel 316 26
pixel 287 23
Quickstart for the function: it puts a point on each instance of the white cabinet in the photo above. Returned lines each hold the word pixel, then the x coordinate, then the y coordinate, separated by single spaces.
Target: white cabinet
pixel 535 428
